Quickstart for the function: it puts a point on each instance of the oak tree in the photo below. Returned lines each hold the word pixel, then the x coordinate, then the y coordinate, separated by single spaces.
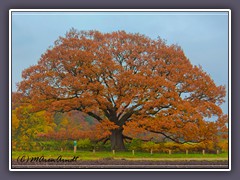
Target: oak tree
pixel 125 80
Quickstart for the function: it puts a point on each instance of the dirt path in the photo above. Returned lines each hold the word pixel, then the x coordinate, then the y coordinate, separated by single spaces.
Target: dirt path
pixel 123 164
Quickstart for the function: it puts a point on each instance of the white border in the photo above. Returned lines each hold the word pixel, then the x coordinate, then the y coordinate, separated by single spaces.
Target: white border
pixel 229 88
pixel 119 10
pixel 10 91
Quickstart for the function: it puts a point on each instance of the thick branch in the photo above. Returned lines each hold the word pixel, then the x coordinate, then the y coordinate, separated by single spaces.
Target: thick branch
pixel 154 112
pixel 123 110
pixel 129 138
pixel 167 136
pixel 105 139
pixel 95 116
pixel 127 115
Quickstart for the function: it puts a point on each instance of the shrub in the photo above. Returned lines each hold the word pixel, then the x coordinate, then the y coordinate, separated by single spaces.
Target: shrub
pixel 100 146
pixel 136 144
pixel 85 144
pixel 175 147
pixel 223 145
pixel 147 146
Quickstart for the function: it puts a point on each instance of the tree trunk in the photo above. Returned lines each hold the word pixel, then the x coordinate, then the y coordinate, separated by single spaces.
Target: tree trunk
pixel 116 139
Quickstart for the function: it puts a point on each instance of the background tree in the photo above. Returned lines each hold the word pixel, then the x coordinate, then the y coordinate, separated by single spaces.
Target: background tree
pixel 124 80
pixel 27 125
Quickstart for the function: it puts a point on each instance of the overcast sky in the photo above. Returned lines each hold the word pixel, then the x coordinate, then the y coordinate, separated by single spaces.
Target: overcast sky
pixel 203 36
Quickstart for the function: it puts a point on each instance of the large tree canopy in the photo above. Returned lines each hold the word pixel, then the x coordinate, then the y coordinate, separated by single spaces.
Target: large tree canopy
pixel 128 80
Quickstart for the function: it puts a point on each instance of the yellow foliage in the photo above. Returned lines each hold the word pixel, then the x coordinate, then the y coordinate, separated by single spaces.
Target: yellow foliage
pixel 223 145
pixel 151 146
pixel 15 122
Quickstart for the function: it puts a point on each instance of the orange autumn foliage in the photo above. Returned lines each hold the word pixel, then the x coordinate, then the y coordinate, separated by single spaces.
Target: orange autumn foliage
pixel 123 79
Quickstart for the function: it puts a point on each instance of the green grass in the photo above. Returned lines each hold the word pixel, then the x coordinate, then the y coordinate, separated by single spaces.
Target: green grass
pixel 87 155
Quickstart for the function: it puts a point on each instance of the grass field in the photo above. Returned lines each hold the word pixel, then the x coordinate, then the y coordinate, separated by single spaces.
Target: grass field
pixel 87 155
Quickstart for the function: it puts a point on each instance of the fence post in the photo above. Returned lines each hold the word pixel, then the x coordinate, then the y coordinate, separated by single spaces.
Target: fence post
pixel 169 151
pixel 113 151
pixel 133 152
pixel 186 151
pixel 94 151
pixel 203 151
pixel 217 151
pixel 151 151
